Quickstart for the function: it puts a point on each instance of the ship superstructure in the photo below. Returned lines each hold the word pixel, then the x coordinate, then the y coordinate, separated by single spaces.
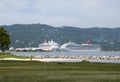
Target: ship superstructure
pixel 71 46
pixel 49 46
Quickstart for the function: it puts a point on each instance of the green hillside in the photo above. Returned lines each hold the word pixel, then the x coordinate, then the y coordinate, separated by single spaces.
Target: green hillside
pixel 30 35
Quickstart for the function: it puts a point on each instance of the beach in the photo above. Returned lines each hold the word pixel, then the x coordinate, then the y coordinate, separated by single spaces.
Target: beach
pixel 112 59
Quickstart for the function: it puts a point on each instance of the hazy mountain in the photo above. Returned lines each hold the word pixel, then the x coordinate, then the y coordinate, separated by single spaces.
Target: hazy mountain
pixel 25 35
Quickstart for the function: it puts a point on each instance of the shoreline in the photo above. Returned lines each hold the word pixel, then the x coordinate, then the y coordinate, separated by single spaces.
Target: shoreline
pixel 103 59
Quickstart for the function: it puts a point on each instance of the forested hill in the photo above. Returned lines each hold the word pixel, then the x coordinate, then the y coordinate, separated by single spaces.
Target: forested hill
pixel 26 35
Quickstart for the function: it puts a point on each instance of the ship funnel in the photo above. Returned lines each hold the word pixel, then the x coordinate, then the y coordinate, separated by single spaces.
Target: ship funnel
pixel 88 42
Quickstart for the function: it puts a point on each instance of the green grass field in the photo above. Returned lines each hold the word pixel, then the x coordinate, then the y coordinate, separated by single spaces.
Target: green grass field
pixel 9 55
pixel 31 71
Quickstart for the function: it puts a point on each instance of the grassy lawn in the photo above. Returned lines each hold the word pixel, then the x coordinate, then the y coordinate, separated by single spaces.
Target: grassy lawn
pixel 8 55
pixel 31 71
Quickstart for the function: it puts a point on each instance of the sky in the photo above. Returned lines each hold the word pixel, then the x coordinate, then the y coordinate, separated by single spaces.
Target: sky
pixel 77 13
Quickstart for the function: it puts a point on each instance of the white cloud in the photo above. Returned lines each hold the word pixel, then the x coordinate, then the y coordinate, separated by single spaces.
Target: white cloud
pixel 14 4
pixel 82 13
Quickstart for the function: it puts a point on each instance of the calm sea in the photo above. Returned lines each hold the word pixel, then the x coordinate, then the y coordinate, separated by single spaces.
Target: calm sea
pixel 103 53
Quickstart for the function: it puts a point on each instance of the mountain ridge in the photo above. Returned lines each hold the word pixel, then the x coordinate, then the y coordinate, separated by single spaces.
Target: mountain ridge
pixel 30 35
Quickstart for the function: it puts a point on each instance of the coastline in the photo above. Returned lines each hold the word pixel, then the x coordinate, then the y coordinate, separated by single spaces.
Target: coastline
pixel 103 59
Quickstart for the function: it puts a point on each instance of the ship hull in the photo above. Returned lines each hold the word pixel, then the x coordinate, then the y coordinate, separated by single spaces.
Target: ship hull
pixel 81 50
pixel 84 50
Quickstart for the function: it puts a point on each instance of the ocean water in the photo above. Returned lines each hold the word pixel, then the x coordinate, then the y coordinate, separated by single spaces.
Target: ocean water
pixel 102 53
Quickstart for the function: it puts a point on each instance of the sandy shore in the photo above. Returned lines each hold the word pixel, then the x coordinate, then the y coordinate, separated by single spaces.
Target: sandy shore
pixel 43 60
pixel 112 59
pixel 17 59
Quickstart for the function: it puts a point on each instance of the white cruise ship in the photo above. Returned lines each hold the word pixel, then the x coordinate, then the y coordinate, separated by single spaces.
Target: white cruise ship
pixel 70 46
pixel 49 46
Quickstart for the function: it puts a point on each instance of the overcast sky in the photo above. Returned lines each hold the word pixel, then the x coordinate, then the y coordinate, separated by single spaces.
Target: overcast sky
pixel 80 13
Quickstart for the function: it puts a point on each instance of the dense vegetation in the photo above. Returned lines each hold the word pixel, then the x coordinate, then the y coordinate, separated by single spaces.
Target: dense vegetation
pixel 4 39
pixel 26 35
pixel 21 71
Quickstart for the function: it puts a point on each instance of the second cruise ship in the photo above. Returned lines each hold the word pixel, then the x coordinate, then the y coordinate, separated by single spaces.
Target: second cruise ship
pixel 70 46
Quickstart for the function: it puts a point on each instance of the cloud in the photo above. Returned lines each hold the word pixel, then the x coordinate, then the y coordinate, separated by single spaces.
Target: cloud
pixel 14 4
pixel 81 13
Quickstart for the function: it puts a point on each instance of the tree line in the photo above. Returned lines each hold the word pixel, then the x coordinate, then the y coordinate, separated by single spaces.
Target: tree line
pixel 4 39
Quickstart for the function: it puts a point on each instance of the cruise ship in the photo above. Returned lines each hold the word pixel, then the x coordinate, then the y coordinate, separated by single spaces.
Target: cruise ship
pixel 54 46
pixel 71 46
pixel 49 46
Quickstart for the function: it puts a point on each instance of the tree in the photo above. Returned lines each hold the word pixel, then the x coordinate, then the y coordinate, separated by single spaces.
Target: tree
pixel 4 39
